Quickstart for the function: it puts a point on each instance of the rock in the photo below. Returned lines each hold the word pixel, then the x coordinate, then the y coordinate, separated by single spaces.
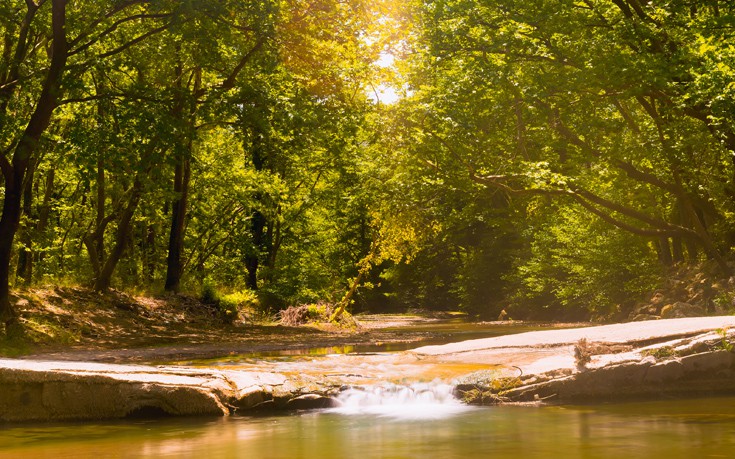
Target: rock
pixel 681 309
pixel 658 299
pixel 664 371
pixel 667 312
pixel 646 311
pixel 310 402
pixel 699 374
pixel 530 366
pixel 59 396
pixel 254 399
pixel 695 298
pixel 66 391
pixel 642 317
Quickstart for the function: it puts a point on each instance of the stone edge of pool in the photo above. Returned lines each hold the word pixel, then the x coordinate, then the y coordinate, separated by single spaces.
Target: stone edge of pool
pixel 674 357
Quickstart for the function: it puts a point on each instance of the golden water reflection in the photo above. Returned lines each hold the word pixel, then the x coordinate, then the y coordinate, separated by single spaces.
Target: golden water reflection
pixel 698 428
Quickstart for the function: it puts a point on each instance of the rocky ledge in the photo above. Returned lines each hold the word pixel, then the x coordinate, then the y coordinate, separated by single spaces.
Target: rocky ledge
pixel 699 365
pixel 676 357
pixel 649 359
pixel 61 391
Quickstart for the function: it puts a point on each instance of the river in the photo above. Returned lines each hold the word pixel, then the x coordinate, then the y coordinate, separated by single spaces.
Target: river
pixel 390 420
pixel 697 428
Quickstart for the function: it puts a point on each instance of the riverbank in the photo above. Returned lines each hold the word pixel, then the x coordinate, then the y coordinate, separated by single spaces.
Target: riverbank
pixel 679 357
pixel 74 323
pixel 77 324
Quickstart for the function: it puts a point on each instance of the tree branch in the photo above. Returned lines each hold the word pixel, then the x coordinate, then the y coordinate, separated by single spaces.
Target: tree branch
pixel 622 225
pixel 229 82
pixel 116 9
pixel 114 27
pixel 134 41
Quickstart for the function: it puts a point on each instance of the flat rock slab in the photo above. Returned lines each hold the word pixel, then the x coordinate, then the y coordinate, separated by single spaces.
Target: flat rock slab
pixel 616 333
pixel 53 391
pixel 543 351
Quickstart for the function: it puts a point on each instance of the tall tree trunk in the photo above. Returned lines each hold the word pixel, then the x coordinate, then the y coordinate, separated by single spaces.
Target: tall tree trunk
pixel 252 258
pixel 664 251
pixel 104 278
pixel 261 244
pixel 276 239
pixel 94 241
pixel 44 212
pixel 99 236
pixel 24 270
pixel 174 269
pixel 8 227
pixel 14 173
pixel 150 253
pixel 185 112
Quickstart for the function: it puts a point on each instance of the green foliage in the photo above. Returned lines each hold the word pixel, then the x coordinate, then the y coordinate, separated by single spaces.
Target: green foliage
pixel 581 262
pixel 231 305
pixel 209 294
pixel 725 343
pixel 574 122
pixel 725 301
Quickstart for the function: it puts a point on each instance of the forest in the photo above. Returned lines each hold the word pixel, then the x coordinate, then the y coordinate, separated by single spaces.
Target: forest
pixel 545 158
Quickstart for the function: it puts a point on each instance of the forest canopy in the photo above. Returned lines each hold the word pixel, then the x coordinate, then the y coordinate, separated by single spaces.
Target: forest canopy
pixel 548 158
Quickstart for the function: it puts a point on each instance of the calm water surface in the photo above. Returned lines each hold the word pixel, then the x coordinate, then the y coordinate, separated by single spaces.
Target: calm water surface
pixel 700 428
pixel 441 331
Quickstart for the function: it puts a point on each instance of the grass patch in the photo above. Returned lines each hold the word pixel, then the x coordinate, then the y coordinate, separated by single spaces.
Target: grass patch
pixel 724 344
pixel 661 353
pixel 25 334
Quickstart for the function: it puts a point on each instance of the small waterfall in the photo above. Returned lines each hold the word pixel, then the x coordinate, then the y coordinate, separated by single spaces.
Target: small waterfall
pixel 434 400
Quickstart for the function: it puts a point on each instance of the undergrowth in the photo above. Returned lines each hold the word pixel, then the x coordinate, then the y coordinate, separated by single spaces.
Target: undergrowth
pixel 317 314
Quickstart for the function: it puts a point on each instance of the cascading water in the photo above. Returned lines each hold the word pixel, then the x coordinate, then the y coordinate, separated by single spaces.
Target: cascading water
pixel 433 400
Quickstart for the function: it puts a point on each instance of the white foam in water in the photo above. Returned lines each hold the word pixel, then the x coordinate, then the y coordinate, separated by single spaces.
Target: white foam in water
pixel 416 401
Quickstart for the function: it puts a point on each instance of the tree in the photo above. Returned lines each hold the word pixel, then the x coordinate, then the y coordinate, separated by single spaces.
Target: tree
pixel 246 35
pixel 591 104
pixel 20 41
pixel 77 36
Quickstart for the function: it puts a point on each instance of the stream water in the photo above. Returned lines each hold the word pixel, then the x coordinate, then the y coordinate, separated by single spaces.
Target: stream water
pixel 701 428
pixel 399 414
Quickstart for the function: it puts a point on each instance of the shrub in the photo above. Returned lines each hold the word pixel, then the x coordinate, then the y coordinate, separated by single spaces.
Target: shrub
pixel 313 313
pixel 210 295
pixel 231 304
pixel 228 306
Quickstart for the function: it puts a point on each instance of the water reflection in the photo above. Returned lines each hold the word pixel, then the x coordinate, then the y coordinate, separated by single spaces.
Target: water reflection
pixel 437 331
pixel 678 429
